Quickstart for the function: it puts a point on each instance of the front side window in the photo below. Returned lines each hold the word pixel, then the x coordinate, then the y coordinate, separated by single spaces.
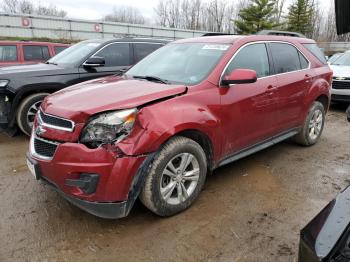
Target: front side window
pixel 33 52
pixel 75 54
pixel 285 57
pixel 252 57
pixel 8 53
pixel 182 63
pixel 141 50
pixel 117 54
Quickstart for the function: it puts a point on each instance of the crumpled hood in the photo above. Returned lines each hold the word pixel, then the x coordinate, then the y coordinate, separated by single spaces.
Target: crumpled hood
pixel 340 71
pixel 111 93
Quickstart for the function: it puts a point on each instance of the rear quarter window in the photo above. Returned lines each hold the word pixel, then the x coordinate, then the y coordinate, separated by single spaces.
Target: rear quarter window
pixel 8 53
pixel 316 51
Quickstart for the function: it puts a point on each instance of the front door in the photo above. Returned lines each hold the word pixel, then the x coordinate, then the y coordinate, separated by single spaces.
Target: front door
pixel 249 108
pixel 118 58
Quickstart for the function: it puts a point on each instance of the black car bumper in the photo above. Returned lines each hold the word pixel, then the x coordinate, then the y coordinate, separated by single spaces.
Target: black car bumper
pixel 340 98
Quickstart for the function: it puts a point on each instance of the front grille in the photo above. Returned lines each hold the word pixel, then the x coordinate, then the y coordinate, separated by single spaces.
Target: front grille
pixel 56 122
pixel 341 85
pixel 44 148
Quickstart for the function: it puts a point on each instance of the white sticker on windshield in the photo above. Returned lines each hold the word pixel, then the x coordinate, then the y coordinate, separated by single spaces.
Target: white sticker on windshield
pixel 216 47
pixel 93 44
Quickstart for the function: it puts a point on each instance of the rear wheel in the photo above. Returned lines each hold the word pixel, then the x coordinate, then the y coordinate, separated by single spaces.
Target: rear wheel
pixel 176 177
pixel 313 125
pixel 27 110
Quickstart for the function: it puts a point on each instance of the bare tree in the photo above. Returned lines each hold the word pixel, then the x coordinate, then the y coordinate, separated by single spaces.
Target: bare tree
pixel 10 6
pixel 126 14
pixel 28 7
pixel 50 10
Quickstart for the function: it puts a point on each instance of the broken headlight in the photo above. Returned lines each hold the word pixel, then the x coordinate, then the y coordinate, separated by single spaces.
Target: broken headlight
pixel 110 127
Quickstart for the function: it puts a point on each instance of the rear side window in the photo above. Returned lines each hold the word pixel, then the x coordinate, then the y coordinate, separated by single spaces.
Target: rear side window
pixel 34 52
pixel 286 58
pixel 141 50
pixel 316 51
pixel 8 53
pixel 59 49
pixel 117 54
pixel 252 57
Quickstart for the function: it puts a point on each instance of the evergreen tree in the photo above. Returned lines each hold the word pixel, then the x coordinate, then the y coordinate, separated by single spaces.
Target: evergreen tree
pixel 259 15
pixel 299 17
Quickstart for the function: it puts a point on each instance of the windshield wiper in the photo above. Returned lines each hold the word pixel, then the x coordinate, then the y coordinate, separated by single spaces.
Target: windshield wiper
pixel 153 79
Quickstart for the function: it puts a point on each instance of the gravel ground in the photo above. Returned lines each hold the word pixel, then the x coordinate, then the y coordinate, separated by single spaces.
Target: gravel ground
pixel 251 210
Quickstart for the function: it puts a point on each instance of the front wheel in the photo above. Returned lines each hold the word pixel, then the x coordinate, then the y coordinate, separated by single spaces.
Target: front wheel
pixel 176 177
pixel 27 110
pixel 313 125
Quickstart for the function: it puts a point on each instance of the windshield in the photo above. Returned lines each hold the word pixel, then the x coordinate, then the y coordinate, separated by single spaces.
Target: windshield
pixel 74 54
pixel 334 58
pixel 343 60
pixel 186 63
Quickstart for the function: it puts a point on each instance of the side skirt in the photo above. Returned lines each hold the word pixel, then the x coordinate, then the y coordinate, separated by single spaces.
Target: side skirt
pixel 258 147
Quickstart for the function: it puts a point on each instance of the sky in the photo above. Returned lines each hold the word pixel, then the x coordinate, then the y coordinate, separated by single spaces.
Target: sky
pixel 96 9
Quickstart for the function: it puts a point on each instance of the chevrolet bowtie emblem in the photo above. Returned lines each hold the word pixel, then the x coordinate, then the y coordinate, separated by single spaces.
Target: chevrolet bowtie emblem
pixel 340 78
pixel 40 130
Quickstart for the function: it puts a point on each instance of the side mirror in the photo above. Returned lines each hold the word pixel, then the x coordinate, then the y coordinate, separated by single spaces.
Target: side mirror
pixel 240 76
pixel 95 61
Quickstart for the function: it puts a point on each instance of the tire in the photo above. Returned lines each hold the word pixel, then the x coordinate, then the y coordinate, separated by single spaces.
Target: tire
pixel 27 110
pixel 176 151
pixel 306 137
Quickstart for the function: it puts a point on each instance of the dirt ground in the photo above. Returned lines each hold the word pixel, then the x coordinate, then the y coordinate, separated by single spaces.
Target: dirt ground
pixel 251 210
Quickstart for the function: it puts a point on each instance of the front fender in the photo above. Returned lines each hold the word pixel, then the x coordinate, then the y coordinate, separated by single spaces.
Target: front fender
pixel 159 122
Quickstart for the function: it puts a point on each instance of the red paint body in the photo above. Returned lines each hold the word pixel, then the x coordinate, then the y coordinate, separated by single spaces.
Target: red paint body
pixel 231 118
pixel 20 51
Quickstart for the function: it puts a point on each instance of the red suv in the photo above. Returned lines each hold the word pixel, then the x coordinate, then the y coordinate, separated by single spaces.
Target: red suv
pixel 186 109
pixel 21 52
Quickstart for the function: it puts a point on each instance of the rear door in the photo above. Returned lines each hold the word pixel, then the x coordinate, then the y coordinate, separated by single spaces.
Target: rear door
pixel 294 78
pixel 118 58
pixel 249 108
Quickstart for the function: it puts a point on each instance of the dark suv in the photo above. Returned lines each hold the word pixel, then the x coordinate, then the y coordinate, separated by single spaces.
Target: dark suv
pixel 186 109
pixel 22 88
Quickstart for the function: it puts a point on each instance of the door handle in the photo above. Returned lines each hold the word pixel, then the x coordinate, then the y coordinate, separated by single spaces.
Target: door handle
pixel 270 87
pixel 307 78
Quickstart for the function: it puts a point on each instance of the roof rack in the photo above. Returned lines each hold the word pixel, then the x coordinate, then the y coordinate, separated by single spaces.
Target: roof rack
pixel 280 33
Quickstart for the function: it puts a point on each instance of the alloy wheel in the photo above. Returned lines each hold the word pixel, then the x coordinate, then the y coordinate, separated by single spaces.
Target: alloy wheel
pixel 179 178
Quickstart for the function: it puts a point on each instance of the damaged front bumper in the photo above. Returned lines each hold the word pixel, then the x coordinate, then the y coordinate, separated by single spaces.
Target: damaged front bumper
pixel 95 180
